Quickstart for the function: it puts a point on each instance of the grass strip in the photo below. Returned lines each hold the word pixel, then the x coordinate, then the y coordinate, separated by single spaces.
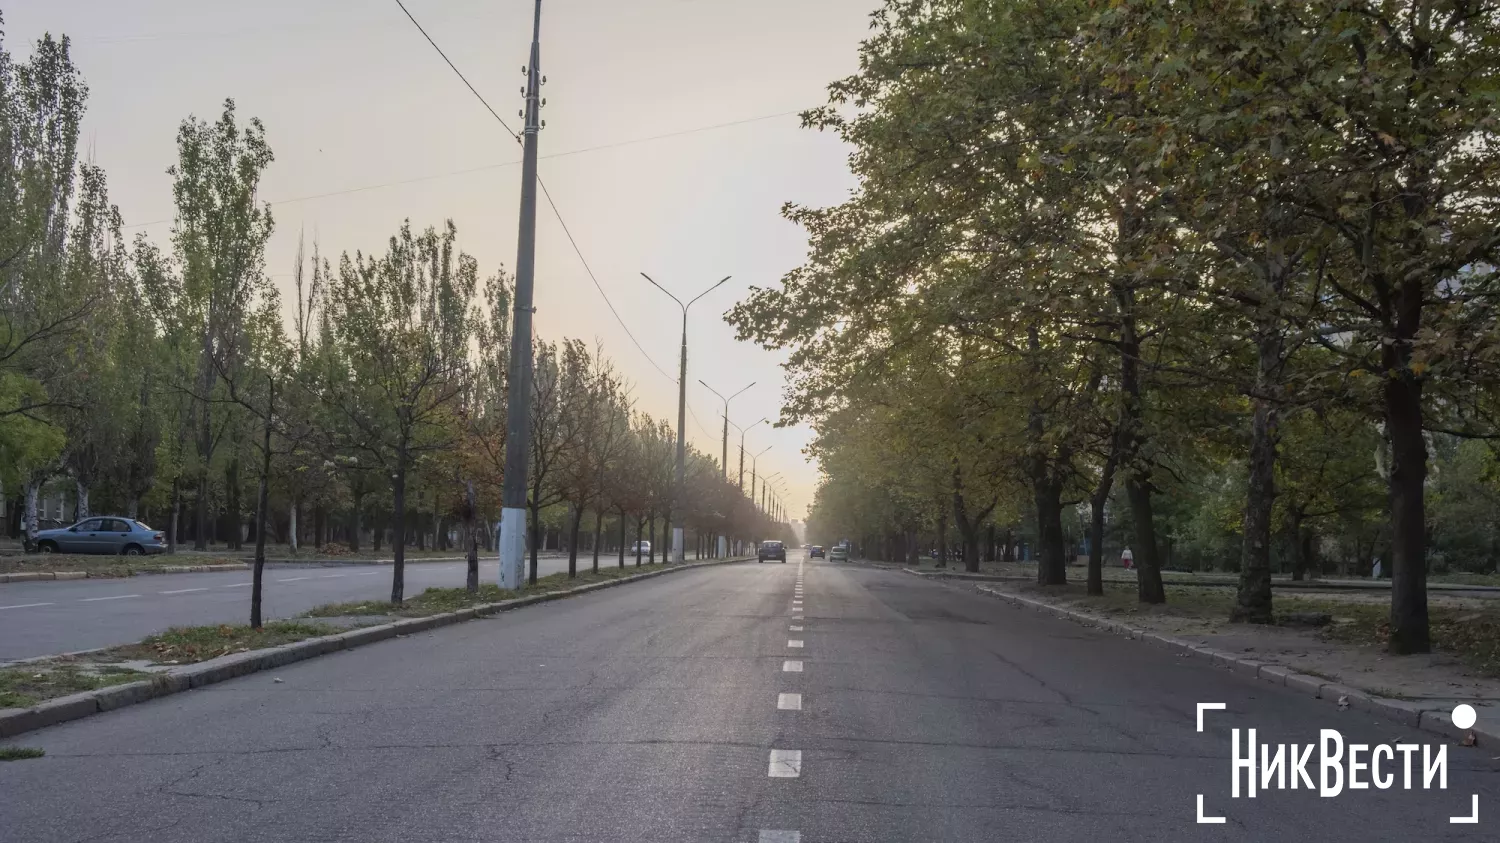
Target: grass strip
pixel 19 753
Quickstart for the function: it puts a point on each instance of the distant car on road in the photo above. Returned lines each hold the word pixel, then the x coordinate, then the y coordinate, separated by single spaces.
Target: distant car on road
pixel 816 552
pixel 839 554
pixel 771 550
pixel 643 548
pixel 102 535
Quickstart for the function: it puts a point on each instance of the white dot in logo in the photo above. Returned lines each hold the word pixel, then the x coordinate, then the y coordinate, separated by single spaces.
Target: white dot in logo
pixel 1464 716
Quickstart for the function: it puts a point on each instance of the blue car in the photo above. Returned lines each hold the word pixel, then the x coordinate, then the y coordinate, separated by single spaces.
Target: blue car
pixel 102 535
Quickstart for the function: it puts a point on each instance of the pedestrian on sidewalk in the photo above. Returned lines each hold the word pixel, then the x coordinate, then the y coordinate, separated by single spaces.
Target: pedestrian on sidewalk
pixel 1127 558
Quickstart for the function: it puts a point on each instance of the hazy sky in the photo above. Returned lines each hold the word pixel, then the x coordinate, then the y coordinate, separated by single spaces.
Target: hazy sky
pixel 353 97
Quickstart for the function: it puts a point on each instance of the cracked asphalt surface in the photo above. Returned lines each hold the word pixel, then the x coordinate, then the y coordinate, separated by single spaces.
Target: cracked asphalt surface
pixel 647 713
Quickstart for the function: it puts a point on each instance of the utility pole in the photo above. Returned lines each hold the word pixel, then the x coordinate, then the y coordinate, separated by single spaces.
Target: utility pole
pixel 742 430
pixel 512 539
pixel 725 458
pixel 679 488
pixel 755 458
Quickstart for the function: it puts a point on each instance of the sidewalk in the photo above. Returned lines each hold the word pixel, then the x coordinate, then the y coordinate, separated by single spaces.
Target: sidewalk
pixel 1348 651
pixel 1026 572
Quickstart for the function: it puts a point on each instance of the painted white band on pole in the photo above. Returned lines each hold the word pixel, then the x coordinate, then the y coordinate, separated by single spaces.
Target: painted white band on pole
pixel 679 548
pixel 512 543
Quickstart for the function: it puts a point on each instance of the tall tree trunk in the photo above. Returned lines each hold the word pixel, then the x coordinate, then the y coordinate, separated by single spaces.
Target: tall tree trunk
pixel 1138 473
pixel 471 540
pixel 989 543
pixel 1135 463
pixel 651 533
pixel 200 513
pixel 1052 564
pixel 573 542
pixel 536 536
pixel 666 538
pixel 262 512
pixel 1253 601
pixel 942 537
pixel 176 518
pixel 81 492
pixel 398 541
pixel 291 530
pixel 356 511
pixel 233 504
pixel 1403 415
pixel 622 537
pixel 640 524
pixel 598 531
pixel 32 492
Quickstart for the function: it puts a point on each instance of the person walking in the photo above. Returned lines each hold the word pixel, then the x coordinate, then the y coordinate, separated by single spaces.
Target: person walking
pixel 1127 558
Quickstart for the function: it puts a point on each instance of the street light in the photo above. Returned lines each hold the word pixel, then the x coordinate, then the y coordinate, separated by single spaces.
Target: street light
pixel 678 550
pixel 765 489
pixel 780 486
pixel 742 453
pixel 726 422
pixel 753 460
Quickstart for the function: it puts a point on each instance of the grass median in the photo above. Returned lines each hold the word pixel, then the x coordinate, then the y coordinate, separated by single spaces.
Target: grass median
pixel 1467 630
pixel 105 564
pixel 435 601
pixel 27 684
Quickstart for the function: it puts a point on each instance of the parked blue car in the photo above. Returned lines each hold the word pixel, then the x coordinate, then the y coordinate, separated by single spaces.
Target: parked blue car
pixel 102 535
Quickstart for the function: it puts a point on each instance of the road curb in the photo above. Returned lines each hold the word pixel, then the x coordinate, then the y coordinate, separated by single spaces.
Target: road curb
pixel 1282 585
pixel 15 721
pixel 1434 721
pixel 34 576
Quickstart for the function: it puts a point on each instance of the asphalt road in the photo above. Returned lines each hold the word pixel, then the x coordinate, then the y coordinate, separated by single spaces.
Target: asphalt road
pixel 659 711
pixel 46 618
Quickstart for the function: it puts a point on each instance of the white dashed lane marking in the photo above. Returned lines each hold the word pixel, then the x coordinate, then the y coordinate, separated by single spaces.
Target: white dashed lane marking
pixel 794 643
pixel 238 585
pixel 795 628
pixel 785 764
pixel 294 579
pixel 789 702
pixel 116 597
pixel 26 605
pixel 791 667
pixel 182 591
pixel 774 836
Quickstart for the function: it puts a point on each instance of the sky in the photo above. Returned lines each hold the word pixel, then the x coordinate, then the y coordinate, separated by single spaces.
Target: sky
pixel 357 104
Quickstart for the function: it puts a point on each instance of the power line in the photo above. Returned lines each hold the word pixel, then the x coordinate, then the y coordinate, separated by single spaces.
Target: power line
pixel 547 193
pixel 501 164
pixel 455 69
pixel 558 212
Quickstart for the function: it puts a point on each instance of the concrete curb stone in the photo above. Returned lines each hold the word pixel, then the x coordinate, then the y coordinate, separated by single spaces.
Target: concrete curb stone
pixel 35 576
pixel 1407 713
pixel 14 721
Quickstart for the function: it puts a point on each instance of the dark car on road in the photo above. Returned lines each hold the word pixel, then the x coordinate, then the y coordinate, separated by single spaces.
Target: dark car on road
pixel 102 535
pixel 771 550
pixel 816 552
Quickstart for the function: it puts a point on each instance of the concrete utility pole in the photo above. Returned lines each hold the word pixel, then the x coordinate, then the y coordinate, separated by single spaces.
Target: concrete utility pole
pixel 765 492
pixel 742 430
pixel 512 539
pixel 755 458
pixel 726 401
pixel 678 489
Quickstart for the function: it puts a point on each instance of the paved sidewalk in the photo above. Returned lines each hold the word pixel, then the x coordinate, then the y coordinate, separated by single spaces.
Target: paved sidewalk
pixel 1434 681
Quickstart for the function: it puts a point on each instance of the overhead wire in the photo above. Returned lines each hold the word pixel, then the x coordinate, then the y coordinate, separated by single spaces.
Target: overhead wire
pixel 558 212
